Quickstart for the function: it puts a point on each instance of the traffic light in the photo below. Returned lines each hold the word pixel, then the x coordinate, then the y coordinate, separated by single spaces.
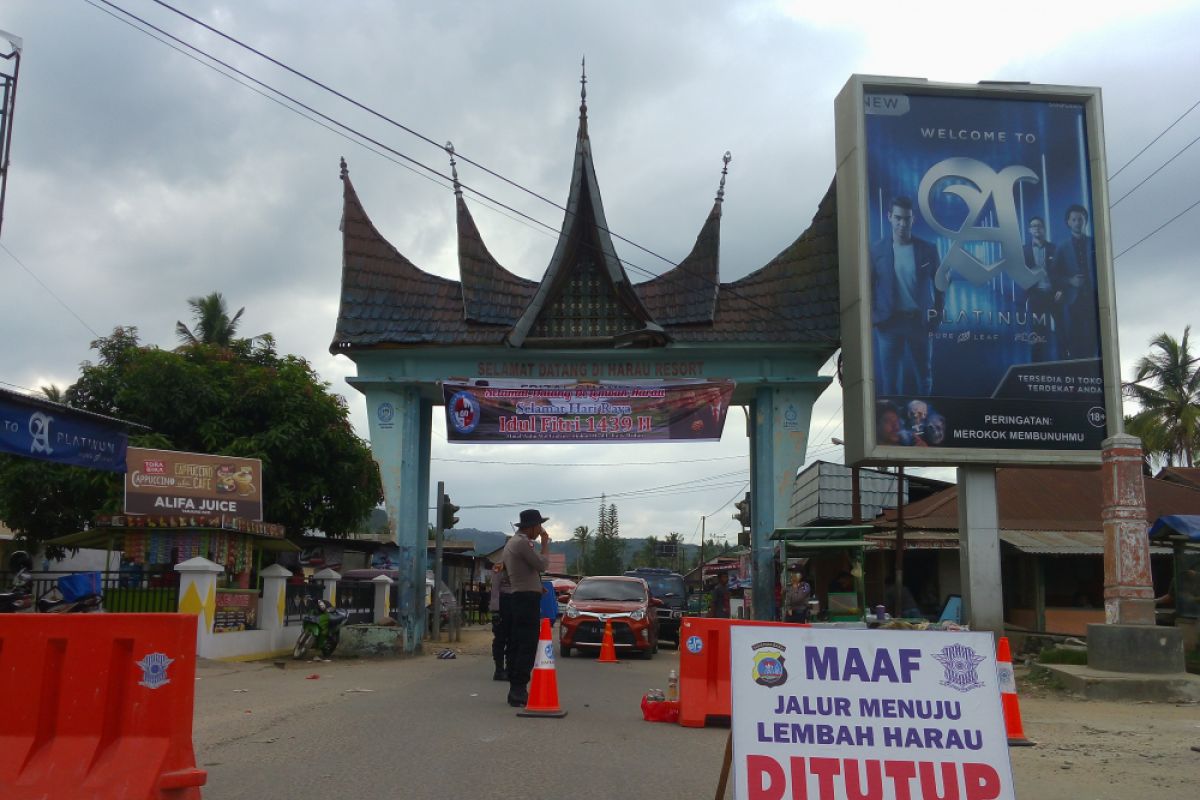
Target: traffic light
pixel 743 511
pixel 446 510
pixel 743 516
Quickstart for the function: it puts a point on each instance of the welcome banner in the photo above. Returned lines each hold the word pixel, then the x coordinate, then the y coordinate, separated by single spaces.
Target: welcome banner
pixel 515 411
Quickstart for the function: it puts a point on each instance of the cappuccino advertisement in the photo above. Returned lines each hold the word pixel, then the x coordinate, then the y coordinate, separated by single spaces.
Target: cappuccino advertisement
pixel 980 280
pixel 170 482
pixel 514 411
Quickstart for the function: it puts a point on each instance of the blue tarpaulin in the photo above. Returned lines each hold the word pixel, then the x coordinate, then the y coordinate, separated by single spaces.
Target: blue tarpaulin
pixel 53 432
pixel 1181 524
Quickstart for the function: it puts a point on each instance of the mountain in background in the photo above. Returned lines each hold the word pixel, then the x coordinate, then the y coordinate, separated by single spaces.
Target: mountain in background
pixel 488 541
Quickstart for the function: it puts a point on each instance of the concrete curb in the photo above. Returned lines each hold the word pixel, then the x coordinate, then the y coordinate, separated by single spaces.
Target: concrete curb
pixel 1095 684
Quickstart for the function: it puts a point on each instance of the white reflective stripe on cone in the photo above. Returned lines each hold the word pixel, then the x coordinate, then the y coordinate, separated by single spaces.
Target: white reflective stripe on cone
pixel 545 656
pixel 1008 683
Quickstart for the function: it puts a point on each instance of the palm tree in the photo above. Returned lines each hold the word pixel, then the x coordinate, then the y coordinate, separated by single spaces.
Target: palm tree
pixel 581 537
pixel 1166 386
pixel 213 325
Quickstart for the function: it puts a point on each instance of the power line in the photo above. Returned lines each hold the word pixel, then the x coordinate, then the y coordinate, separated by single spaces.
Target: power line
pixel 1155 139
pixel 728 288
pixel 1152 174
pixel 1156 230
pixel 730 500
pixel 50 291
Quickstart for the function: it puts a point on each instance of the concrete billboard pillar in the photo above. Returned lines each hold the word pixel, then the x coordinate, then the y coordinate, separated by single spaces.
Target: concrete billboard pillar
pixel 979 549
pixel 1128 588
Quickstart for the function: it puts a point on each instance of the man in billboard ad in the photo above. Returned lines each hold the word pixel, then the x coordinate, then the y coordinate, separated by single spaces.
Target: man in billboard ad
pixel 984 324
pixel 832 714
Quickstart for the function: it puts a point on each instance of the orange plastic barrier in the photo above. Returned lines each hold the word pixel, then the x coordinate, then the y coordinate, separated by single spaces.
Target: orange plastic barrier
pixel 98 707
pixel 704 689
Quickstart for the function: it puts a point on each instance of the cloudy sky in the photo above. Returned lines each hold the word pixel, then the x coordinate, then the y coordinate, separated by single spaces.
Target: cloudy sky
pixel 141 178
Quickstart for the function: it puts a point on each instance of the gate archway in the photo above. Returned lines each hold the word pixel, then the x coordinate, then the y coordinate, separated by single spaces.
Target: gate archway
pixel 407 331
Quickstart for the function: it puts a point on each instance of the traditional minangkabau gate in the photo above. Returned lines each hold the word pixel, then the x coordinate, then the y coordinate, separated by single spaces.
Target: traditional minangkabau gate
pixel 407 331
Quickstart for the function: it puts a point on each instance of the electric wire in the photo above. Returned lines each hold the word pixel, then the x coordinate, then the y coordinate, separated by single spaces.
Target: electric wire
pixel 1155 139
pixel 1156 230
pixel 1152 174
pixel 49 291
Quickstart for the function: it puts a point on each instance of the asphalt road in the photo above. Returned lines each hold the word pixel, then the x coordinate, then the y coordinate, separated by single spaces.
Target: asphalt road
pixel 429 728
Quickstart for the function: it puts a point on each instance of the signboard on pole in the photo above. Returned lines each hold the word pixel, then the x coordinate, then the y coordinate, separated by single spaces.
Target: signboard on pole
pixel 515 411
pixel 976 273
pixel 828 714
pixel 173 482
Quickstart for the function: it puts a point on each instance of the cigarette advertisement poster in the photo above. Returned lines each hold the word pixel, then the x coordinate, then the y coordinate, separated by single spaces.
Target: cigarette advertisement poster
pixel 515 411
pixel 173 482
pixel 835 714
pixel 979 273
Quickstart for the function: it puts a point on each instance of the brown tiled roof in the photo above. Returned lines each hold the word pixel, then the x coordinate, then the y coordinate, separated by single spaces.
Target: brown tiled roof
pixel 688 292
pixel 1045 500
pixel 491 294
pixel 1188 476
pixel 386 300
pixel 794 298
pixel 585 249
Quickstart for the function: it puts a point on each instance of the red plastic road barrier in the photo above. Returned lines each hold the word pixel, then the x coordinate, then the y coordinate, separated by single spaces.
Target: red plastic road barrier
pixel 704 689
pixel 98 707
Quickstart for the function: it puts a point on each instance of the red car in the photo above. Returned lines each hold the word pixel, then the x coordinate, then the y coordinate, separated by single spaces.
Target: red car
pixel 626 602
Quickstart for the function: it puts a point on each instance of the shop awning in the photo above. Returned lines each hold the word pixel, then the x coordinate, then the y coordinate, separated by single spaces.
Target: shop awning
pixel 825 533
pixel 1080 543
pixel 1185 525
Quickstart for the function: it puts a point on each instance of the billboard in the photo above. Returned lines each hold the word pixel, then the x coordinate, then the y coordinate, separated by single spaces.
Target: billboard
pixel 53 432
pixel 866 713
pixel 976 273
pixel 172 482
pixel 517 411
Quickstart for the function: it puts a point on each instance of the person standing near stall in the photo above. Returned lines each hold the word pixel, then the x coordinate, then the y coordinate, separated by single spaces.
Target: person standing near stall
pixel 795 598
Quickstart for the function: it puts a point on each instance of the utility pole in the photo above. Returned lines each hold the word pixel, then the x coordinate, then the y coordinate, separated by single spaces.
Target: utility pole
pixel 436 601
pixel 702 547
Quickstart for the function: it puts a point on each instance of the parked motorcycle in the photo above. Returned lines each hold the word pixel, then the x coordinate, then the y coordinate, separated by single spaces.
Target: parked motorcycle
pixel 322 628
pixel 79 593
pixel 20 598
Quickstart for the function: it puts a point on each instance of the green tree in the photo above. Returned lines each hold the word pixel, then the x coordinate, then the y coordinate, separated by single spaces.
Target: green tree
pixel 607 550
pixel 211 321
pixel 1166 387
pixel 317 473
pixel 581 537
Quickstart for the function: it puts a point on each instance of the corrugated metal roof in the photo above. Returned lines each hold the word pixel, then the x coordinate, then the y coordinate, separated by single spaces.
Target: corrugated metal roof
pixel 1062 542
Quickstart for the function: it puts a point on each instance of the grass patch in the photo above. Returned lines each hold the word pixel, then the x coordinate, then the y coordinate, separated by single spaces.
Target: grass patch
pixel 1063 655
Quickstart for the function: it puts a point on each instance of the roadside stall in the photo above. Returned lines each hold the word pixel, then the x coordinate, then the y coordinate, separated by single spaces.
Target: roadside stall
pixel 831 559
pixel 1182 533
pixel 151 546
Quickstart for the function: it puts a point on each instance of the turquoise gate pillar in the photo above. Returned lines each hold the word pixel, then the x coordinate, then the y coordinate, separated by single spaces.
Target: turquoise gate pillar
pixel 401 423
pixel 779 435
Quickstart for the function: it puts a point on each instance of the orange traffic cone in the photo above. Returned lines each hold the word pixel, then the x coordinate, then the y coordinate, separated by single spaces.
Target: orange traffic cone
pixel 543 689
pixel 608 653
pixel 1008 696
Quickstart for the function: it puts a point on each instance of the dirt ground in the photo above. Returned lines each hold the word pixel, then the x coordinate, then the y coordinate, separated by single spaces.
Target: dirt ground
pixel 1094 750
pixel 1085 750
